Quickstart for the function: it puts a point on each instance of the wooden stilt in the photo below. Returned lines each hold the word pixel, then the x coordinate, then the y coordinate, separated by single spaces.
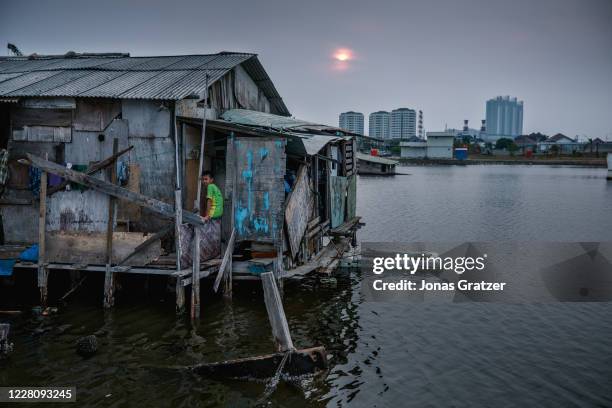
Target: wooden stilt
pixel 43 272
pixel 180 296
pixel 227 291
pixel 195 276
pixel 178 211
pixel 5 346
pixel 276 313
pixel 109 277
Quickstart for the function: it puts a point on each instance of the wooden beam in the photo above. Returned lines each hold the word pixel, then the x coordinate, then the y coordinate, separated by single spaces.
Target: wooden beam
pixel 276 313
pixel 160 207
pixel 226 260
pixel 92 169
pixel 43 272
pixel 196 204
pixel 109 277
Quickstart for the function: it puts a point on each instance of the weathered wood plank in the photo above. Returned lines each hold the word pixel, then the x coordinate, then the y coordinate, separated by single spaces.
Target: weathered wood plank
pixel 89 248
pixel 226 260
pixel 21 117
pixel 298 210
pixel 338 187
pixel 276 313
pixel 149 241
pixel 152 204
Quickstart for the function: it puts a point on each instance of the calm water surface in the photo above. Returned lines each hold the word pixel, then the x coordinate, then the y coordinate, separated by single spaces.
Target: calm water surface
pixel 381 354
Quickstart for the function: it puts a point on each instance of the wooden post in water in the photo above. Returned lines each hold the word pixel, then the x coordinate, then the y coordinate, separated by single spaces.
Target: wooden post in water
pixel 180 295
pixel 43 271
pixel 178 215
pixel 195 274
pixel 109 276
pixel 5 346
pixel 276 313
pixel 609 166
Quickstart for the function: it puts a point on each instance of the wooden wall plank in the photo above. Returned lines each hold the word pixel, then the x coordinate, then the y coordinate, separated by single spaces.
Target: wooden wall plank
pixel 338 187
pixel 21 117
pixel 298 211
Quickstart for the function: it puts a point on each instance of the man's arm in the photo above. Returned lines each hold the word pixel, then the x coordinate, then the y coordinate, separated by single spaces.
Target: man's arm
pixel 208 207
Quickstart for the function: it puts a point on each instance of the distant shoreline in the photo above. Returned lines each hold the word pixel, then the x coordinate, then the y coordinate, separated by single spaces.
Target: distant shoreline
pixel 576 162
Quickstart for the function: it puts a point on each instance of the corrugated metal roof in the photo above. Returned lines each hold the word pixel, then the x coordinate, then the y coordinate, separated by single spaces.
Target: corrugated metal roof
pixel 280 123
pixel 24 80
pixel 261 119
pixel 124 77
pixel 4 77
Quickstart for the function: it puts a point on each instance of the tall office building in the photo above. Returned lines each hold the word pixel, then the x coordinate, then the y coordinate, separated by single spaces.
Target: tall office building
pixel 403 123
pixel 504 117
pixel 352 121
pixel 380 124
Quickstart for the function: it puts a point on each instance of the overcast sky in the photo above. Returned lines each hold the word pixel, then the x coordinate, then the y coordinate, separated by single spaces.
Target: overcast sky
pixel 446 57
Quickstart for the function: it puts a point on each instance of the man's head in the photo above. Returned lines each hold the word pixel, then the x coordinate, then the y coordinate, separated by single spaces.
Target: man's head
pixel 207 178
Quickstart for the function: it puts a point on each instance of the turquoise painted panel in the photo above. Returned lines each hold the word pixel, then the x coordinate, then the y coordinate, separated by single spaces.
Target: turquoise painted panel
pixel 260 170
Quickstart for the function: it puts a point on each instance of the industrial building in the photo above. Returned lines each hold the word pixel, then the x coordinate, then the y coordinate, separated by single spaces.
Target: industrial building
pixel 440 145
pixel 504 117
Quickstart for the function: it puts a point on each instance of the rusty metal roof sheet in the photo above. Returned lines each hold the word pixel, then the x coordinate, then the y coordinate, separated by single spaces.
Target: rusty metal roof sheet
pixel 124 77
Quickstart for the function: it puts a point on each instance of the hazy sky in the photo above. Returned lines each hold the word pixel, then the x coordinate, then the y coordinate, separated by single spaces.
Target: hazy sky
pixel 446 57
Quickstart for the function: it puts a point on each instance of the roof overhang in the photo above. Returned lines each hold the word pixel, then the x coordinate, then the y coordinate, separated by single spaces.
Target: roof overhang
pixel 303 144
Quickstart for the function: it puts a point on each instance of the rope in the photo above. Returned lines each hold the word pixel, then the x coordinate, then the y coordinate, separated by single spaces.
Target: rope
pixel 273 383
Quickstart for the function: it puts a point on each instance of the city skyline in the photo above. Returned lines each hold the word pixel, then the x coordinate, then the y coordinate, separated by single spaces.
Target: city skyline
pixel 553 54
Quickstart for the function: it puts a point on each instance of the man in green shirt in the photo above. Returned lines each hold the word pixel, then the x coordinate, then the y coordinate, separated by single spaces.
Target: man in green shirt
pixel 211 208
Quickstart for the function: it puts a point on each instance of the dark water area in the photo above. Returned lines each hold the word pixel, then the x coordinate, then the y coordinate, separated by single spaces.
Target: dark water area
pixel 380 354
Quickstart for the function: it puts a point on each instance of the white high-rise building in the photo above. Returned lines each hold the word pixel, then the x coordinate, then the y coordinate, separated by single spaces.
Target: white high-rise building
pixel 504 117
pixel 380 124
pixel 403 123
pixel 352 121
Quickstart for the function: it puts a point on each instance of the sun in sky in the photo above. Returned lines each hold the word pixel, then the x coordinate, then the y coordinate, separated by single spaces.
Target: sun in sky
pixel 341 58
